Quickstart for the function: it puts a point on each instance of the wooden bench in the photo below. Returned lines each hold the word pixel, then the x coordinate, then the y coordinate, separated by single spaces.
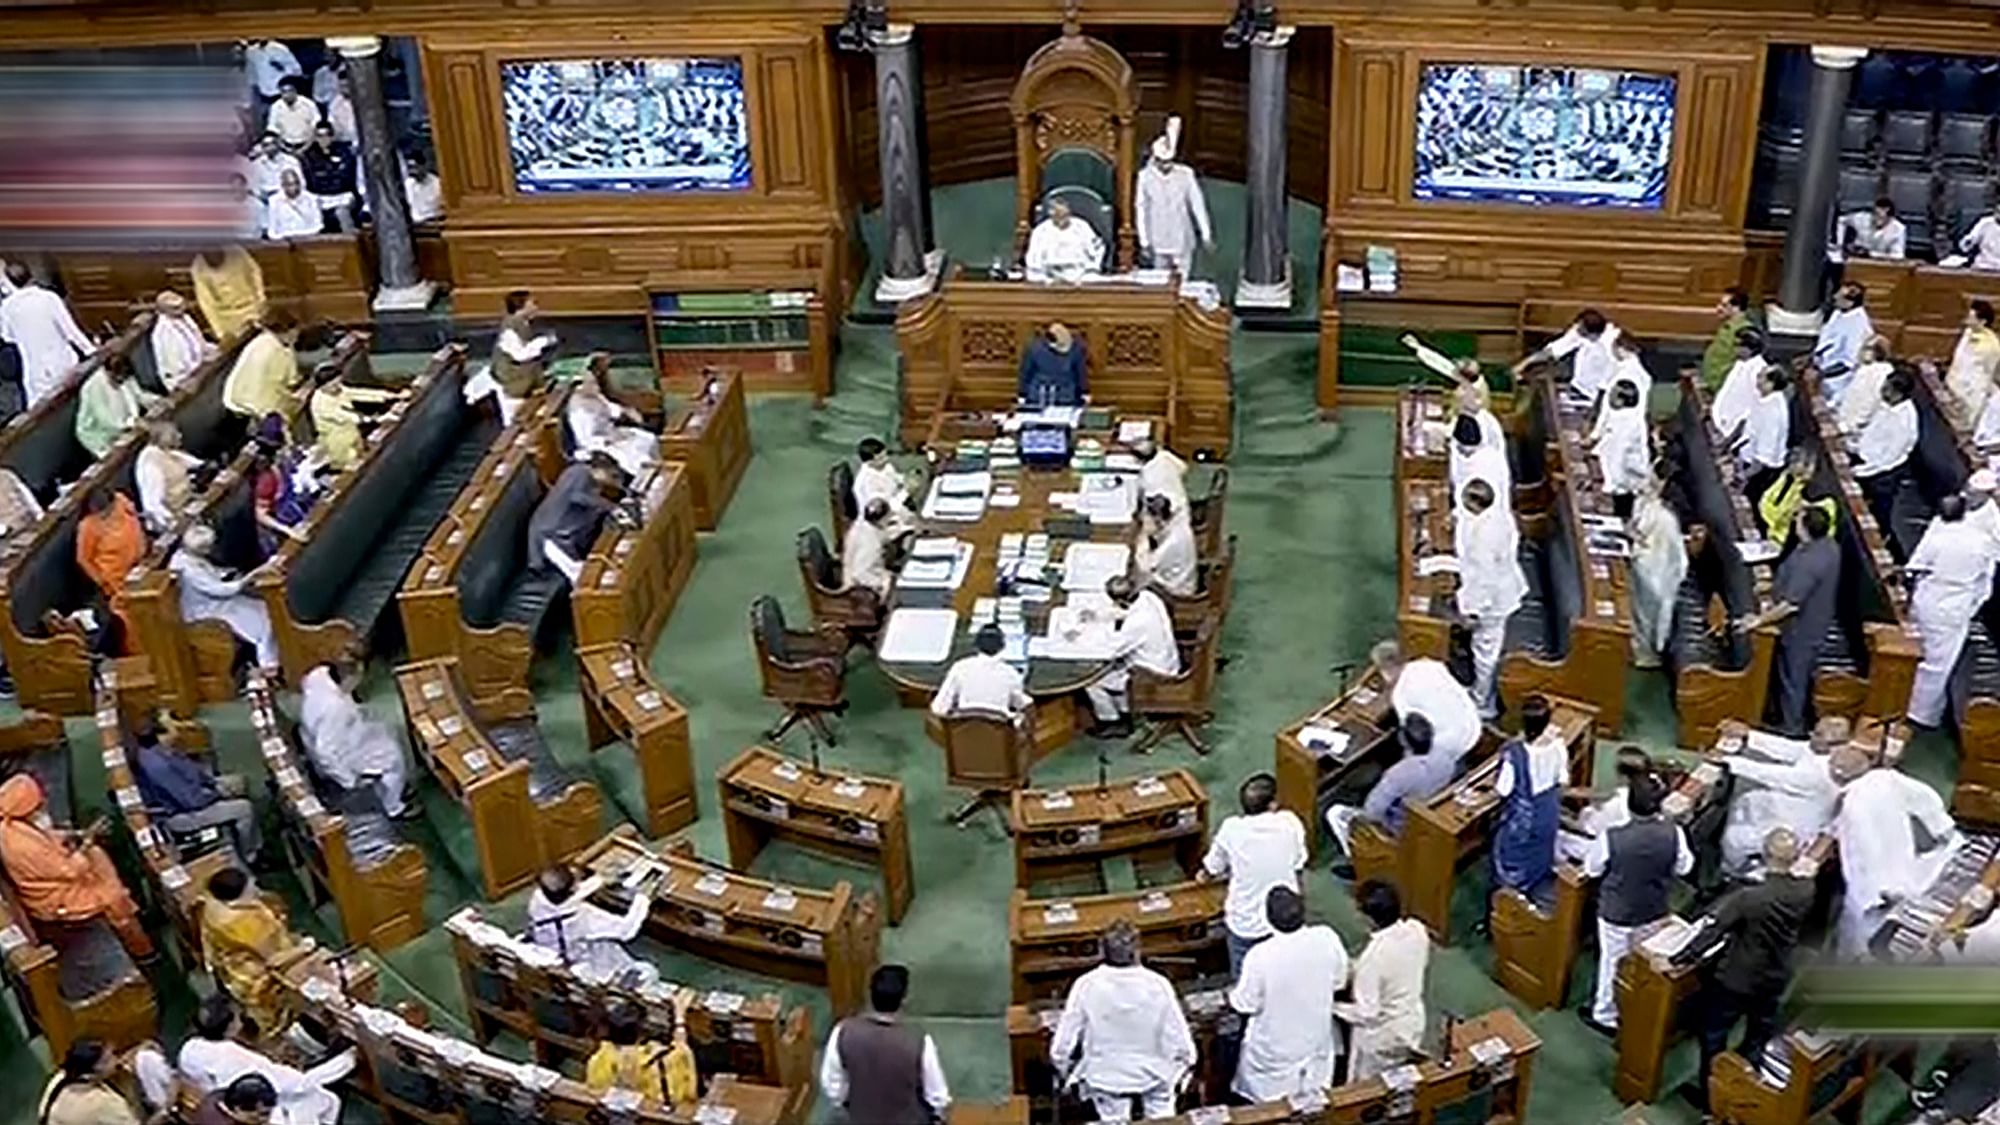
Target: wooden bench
pixel 1718 675
pixel 195 661
pixel 635 574
pixel 1051 942
pixel 514 986
pixel 528 811
pixel 708 432
pixel 341 844
pixel 39 575
pixel 39 444
pixel 822 937
pixel 1803 1077
pixel 470 594
pixel 638 738
pixel 327 594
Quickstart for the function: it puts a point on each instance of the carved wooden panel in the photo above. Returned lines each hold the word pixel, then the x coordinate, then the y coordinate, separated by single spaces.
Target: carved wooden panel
pixel 1133 345
pixel 787 120
pixel 1712 106
pixel 1376 121
pixel 986 341
pixel 470 156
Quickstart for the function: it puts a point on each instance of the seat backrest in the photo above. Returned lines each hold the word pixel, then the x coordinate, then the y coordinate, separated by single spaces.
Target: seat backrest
pixel 1858 189
pixel 498 552
pixel 209 430
pixel 1965 199
pixel 46 453
pixel 984 749
pixel 1966 137
pixel 1906 132
pixel 767 628
pixel 816 561
pixel 1857 130
pixel 1912 191
pixel 48 576
pixel 840 496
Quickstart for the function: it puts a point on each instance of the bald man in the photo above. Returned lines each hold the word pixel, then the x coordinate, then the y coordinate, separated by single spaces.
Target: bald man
pixel 1782 782
pixel 1883 858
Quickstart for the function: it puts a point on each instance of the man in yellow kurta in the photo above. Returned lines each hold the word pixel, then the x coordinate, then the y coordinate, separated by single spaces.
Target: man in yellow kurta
pixel 62 876
pixel 240 936
pixel 262 380
pixel 229 287
pixel 335 419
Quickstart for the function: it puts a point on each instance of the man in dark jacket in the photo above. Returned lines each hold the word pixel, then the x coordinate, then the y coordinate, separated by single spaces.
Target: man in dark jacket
pixel 877 1069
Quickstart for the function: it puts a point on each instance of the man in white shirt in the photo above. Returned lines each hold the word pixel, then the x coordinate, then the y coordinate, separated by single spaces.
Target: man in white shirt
pixel 1143 638
pixel 1982 242
pixel 585 935
pixel 864 557
pixel 1590 341
pixel 39 325
pixel 1063 247
pixel 211 593
pixel 1874 233
pixel 1882 450
pixel 292 117
pixel 1636 863
pixel 1864 391
pixel 1490 584
pixel 878 1070
pixel 1426 687
pixel 1622 445
pixel 1127 1024
pixel 1172 215
pixel 1975 360
pixel 268 164
pixel 1286 989
pixel 178 345
pixel 1470 391
pixel 1161 473
pixel 877 478
pixel 162 473
pixel 1387 1011
pixel 266 64
pixel 340 117
pixel 1479 452
pixel 1780 783
pixel 982 682
pixel 1767 433
pixel 1738 394
pixel 1953 567
pixel 1258 851
pixel 423 191
pixel 293 212
pixel 1837 352
pixel 1166 555
pixel 1630 763
pixel 212 1058
pixel 1875 829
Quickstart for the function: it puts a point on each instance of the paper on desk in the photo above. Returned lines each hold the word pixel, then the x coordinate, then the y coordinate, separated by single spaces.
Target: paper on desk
pixel 1672 936
pixel 1088 566
pixel 1135 429
pixel 918 636
pixel 934 546
pixel 937 574
pixel 1071 638
pixel 1756 551
pixel 958 508
pixel 1437 564
pixel 1121 463
pixel 1316 736
pixel 965 484
pixel 1004 500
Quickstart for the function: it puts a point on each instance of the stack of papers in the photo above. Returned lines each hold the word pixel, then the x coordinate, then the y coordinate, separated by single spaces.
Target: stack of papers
pixel 958 496
pixel 937 572
pixel 1070 637
pixel 1045 416
pixel 1088 566
pixel 1104 499
pixel 1131 431
pixel 918 636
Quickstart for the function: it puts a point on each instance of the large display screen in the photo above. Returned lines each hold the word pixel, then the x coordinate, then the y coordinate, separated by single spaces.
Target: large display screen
pixel 636 125
pixel 1542 134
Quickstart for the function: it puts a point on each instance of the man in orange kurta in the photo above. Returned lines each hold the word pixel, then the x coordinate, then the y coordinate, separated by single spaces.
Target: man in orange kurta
pixel 109 542
pixel 62 876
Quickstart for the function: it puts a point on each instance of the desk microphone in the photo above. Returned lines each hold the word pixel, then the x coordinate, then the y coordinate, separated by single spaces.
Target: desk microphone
pixel 1345 670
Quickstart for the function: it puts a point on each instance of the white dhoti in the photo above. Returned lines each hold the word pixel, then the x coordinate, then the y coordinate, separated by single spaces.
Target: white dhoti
pixel 1155 1103
pixel 1340 821
pixel 1613 943
pixel 1489 634
pixel 483 384
pixel 1943 634
pixel 250 620
pixel 1860 916
pixel 1954 560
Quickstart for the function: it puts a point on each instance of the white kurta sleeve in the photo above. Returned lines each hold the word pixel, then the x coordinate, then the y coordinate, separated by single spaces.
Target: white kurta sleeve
pixel 1070 1027
pixel 522 351
pixel 66 324
pixel 936 1093
pixel 1435 360
pixel 832 1074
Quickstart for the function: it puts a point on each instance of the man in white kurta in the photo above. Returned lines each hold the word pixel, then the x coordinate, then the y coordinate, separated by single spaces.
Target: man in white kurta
pixel 178 345
pixel 1258 851
pixel 1161 473
pixel 1063 247
pixel 1126 1023
pixel 1621 444
pixel 864 555
pixel 1490 584
pixel 600 425
pixel 1953 566
pixel 346 746
pixel 1876 832
pixel 1287 988
pixel 587 936
pixel 1837 351
pixel 1166 556
pixel 212 1059
pixel 1143 638
pixel 1659 566
pixel 1470 391
pixel 982 682
pixel 1780 783
pixel 1982 242
pixel 877 478
pixel 1767 433
pixel 292 212
pixel 1387 1012
pixel 1590 339
pixel 162 472
pixel 39 325
pixel 1426 687
pixel 208 593
pixel 1864 391
pixel 1478 451
pixel 1975 360
pixel 1172 214
pixel 1738 393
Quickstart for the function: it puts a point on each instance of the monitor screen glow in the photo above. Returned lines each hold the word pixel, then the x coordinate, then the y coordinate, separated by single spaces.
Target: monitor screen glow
pixel 626 125
pixel 1568 136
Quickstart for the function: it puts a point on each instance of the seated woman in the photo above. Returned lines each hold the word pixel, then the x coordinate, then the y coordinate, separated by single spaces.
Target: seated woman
pixel 62 876
pixel 595 422
pixel 285 484
pixel 336 416
pixel 239 937
pixel 210 593
pixel 109 542
pixel 622 1061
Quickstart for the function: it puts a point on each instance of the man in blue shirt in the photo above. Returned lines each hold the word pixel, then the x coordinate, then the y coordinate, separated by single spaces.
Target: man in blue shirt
pixel 1417 776
pixel 1053 370
pixel 187 795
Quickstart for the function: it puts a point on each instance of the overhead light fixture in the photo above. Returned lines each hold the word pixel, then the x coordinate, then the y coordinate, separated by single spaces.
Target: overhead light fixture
pixel 1251 20
pixel 865 19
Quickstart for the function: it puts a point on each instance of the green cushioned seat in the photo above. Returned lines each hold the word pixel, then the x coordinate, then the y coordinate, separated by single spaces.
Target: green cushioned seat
pixel 523 742
pixel 48 453
pixel 532 594
pixel 91 959
pixel 494 583
pixel 617 770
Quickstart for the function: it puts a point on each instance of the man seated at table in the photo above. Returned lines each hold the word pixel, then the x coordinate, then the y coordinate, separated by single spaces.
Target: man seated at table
pixel 1054 369
pixel 1414 778
pixel 163 472
pixel 1123 1034
pixel 864 557
pixel 1874 233
pixel 876 477
pixel 210 592
pixel 1161 472
pixel 982 682
pixel 1426 687
pixel 586 935
pixel 187 791
pixel 62 876
pixel 565 523
pixel 293 212
pixel 1063 247
pixel 600 424
pixel 1166 554
pixel 110 402
pixel 1143 637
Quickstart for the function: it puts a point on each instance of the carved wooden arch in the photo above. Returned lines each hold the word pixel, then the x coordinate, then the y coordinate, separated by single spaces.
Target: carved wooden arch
pixel 1075 92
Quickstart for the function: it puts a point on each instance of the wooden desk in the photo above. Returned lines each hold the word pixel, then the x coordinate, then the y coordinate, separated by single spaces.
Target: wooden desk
pixel 1149 351
pixel 709 437
pixel 1031 1029
pixel 766 795
pixel 827 937
pixel 1826 1078
pixel 1425 605
pixel 1307 776
pixel 1936 306
pixel 1060 831
pixel 623 704
pixel 1054 941
pixel 319 278
pixel 634 575
pixel 1420 412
